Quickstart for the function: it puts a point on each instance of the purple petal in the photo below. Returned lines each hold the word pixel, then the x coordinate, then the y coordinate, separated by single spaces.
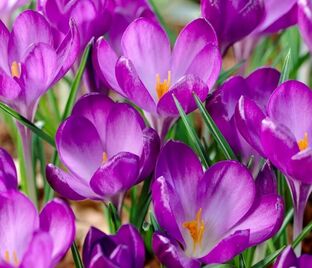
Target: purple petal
pixel 151 146
pixel 19 219
pixel 29 28
pixel 197 38
pixel 266 182
pixel 215 193
pixel 305 260
pixel 278 143
pixel 170 254
pixel 264 219
pixel 79 146
pixel 58 179
pixel 287 259
pixel 132 86
pixel 129 236
pixel 41 242
pixel 299 160
pixel 9 89
pixel 305 21
pixel 104 60
pixel 183 90
pixel 228 248
pixel 147 46
pixel 67 52
pixel 58 220
pixel 8 175
pixel 124 131
pixel 4 42
pixel 296 97
pixel 117 175
pixel 96 108
pixel 248 118
pixel 38 71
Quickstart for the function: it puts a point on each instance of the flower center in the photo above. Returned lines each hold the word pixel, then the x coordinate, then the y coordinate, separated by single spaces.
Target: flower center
pixel 15 69
pixel 104 158
pixel 14 259
pixel 162 87
pixel 196 229
pixel 303 143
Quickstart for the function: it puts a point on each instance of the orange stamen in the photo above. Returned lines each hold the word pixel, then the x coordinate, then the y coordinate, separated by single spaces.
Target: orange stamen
pixel 162 87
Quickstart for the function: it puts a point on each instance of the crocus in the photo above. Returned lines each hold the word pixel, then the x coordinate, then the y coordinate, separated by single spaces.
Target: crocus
pixel 233 20
pixel 91 16
pixel 288 259
pixel 203 219
pixel 8 175
pixel 148 74
pixel 305 21
pixel 29 239
pixel 282 135
pixel 125 249
pixel 106 148
pixel 7 7
pixel 258 86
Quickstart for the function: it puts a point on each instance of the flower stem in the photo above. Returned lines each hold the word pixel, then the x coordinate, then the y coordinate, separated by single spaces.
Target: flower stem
pixel 26 138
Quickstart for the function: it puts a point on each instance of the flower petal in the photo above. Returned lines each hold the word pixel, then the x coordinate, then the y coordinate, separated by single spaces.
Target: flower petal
pixel 96 108
pixel 8 175
pixel 305 21
pixel 9 89
pixel 58 179
pixel 132 86
pixel 79 146
pixel 58 220
pixel 4 43
pixel 266 182
pixel 146 44
pixel 29 28
pixel 190 43
pixel 170 254
pixel 124 131
pixel 19 219
pixel 248 118
pixel 299 160
pixel 183 91
pixel 287 258
pixel 117 175
pixel 290 105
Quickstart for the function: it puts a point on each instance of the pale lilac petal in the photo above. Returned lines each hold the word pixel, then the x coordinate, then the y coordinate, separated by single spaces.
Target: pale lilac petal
pixel 287 259
pixel 8 175
pixel 4 42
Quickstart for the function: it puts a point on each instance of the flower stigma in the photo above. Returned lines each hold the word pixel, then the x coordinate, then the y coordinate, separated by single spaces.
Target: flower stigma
pixel 15 69
pixel 196 229
pixel 162 87
pixel 104 158
pixel 303 143
pixel 8 259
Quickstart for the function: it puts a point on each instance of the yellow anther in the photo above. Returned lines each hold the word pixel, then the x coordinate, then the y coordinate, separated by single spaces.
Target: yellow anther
pixel 303 143
pixel 196 229
pixel 162 87
pixel 15 69
pixel 104 157
pixel 7 256
pixel 15 259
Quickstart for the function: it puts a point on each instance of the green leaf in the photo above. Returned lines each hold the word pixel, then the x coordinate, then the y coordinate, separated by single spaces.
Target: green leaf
pixel 76 256
pixel 40 133
pixel 286 221
pixel 302 235
pixel 192 134
pixel 269 259
pixel 215 132
pixel 227 73
pixel 286 68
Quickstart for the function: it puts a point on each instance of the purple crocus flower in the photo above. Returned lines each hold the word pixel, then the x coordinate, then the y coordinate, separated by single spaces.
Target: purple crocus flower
pixel 92 17
pixel 258 86
pixel 106 148
pixel 191 207
pixel 233 20
pixel 124 249
pixel 148 74
pixel 8 175
pixel 30 63
pixel 288 259
pixel 31 240
pixel 305 21
pixel 283 136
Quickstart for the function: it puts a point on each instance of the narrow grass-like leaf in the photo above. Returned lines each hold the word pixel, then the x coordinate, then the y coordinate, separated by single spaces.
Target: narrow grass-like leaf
pixel 194 138
pixel 302 235
pixel 76 256
pixel 40 133
pixel 215 132
pixel 76 83
pixel 286 68
pixel 269 259
pixel 286 221
pixel 227 73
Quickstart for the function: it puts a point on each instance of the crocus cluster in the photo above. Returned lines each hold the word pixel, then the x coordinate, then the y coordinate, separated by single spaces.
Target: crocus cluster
pixel 119 144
